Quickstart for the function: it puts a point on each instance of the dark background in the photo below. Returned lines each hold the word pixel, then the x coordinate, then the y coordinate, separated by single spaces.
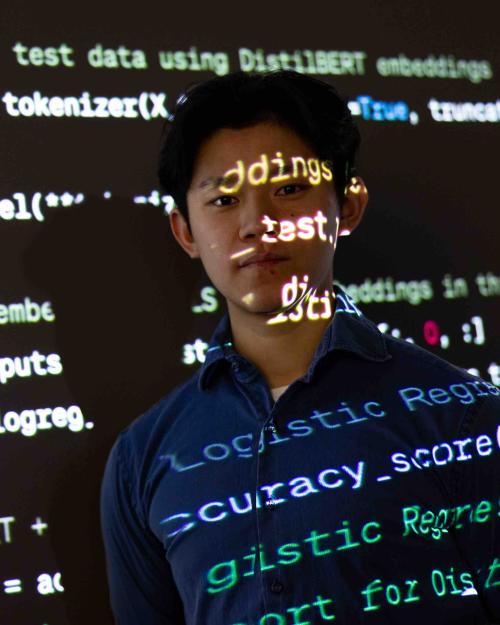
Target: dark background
pixel 122 290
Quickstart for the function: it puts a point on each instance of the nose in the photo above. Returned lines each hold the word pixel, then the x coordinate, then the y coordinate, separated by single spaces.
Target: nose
pixel 257 217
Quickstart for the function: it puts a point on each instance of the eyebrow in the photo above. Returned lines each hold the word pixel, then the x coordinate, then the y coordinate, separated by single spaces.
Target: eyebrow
pixel 217 181
pixel 212 181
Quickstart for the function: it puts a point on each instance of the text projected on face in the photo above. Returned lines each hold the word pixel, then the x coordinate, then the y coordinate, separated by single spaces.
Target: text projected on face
pixel 275 170
pixel 305 302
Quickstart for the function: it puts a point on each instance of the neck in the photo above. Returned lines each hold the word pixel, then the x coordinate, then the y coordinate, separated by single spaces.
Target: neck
pixel 282 352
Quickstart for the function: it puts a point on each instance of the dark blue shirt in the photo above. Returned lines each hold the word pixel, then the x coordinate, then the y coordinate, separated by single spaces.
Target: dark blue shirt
pixel 368 493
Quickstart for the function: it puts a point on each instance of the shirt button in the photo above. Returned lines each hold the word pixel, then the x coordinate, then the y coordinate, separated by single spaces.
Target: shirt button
pixel 276 587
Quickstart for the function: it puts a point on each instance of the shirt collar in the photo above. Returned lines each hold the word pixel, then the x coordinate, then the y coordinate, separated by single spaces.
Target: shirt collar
pixel 349 330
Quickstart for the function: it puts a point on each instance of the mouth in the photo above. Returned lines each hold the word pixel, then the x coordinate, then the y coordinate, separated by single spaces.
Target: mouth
pixel 262 260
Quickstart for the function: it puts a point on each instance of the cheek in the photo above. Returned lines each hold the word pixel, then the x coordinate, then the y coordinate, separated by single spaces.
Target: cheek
pixel 212 254
pixel 333 217
pixel 215 249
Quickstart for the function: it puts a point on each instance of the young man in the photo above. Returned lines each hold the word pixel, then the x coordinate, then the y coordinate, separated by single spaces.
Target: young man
pixel 313 469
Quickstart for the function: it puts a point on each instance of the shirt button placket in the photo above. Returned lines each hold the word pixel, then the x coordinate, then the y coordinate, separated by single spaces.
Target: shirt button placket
pixel 276 587
pixel 270 504
pixel 271 427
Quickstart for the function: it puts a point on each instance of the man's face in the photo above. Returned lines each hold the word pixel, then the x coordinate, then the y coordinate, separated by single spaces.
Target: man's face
pixel 231 223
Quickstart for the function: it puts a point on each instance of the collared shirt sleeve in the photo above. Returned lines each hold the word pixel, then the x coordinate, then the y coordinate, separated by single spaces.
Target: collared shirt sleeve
pixel 477 488
pixel 142 589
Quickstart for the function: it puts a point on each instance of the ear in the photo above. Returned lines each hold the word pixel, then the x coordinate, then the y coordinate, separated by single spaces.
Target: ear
pixel 353 208
pixel 182 233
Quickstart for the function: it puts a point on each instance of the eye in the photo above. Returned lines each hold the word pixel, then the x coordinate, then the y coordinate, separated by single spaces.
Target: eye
pixel 290 189
pixel 223 200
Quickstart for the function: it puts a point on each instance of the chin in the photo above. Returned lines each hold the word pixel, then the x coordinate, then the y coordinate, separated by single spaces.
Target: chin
pixel 261 305
pixel 263 309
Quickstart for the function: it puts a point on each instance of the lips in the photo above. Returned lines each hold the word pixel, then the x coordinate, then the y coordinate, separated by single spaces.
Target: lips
pixel 261 258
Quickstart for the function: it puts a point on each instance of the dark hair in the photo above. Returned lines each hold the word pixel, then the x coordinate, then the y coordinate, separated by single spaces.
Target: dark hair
pixel 310 107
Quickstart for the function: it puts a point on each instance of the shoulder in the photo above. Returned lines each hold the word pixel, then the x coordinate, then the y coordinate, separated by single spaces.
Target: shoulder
pixel 425 379
pixel 415 359
pixel 145 435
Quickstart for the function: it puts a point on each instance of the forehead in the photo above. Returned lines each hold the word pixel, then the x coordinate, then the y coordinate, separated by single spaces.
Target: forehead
pixel 222 149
